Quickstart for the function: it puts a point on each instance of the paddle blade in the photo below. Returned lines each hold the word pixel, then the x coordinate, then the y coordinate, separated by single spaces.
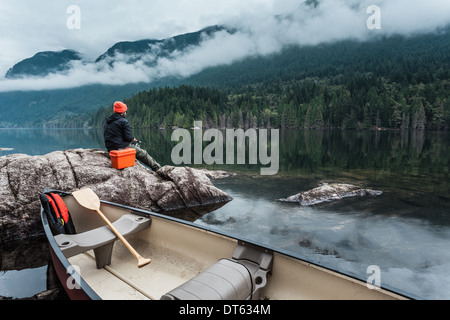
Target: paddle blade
pixel 87 199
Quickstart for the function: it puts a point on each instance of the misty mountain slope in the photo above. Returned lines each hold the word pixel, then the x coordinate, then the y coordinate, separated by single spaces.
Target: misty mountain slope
pixel 60 108
pixel 44 63
pixel 399 59
pixel 129 52
pixel 151 50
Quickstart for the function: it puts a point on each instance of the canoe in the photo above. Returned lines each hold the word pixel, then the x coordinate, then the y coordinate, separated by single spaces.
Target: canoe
pixel 189 262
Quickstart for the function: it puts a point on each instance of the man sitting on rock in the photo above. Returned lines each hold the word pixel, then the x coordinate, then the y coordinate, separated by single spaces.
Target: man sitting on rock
pixel 118 135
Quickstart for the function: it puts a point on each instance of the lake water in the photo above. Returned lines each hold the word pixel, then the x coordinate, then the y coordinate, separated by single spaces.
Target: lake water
pixel 405 232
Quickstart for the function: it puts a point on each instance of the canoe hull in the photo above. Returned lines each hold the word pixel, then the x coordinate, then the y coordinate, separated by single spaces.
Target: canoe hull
pixel 181 251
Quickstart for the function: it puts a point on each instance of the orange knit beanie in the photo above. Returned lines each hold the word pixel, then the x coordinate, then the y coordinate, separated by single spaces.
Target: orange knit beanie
pixel 120 107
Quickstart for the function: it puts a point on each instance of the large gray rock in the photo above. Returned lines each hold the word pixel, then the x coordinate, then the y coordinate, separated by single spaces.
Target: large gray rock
pixel 181 192
pixel 329 192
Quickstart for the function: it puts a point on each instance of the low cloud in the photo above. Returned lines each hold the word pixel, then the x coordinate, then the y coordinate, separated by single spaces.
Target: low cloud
pixel 258 34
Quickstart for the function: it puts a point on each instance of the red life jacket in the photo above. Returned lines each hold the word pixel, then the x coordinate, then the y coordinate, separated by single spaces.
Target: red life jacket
pixel 59 206
pixel 58 214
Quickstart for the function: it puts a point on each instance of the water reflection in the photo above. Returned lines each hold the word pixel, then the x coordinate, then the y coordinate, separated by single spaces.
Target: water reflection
pixel 412 153
pixel 25 269
pixel 43 141
pixel 408 242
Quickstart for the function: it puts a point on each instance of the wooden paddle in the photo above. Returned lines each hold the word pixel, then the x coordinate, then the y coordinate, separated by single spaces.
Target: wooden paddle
pixel 89 200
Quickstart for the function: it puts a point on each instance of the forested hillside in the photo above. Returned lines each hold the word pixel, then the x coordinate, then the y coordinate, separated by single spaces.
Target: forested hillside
pixel 363 101
pixel 394 82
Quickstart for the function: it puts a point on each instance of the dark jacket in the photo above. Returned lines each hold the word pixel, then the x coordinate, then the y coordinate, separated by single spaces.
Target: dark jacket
pixel 117 133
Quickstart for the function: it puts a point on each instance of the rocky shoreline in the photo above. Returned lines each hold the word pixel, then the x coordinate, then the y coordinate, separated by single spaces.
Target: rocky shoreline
pixel 181 192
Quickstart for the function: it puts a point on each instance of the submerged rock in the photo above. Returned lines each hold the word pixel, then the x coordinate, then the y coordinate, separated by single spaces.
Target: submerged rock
pixel 329 192
pixel 181 192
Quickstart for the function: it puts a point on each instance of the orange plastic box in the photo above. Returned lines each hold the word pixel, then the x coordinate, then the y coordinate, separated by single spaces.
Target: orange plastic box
pixel 121 159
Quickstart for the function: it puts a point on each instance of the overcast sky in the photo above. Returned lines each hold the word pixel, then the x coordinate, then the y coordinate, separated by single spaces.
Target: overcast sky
pixel 30 26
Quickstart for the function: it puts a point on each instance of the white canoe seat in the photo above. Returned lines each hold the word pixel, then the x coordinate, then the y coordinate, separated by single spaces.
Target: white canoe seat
pixel 239 278
pixel 102 239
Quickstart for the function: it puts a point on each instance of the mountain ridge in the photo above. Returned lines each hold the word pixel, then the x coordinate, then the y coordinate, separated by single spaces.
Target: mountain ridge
pixel 163 46
pixel 47 62
pixel 43 63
